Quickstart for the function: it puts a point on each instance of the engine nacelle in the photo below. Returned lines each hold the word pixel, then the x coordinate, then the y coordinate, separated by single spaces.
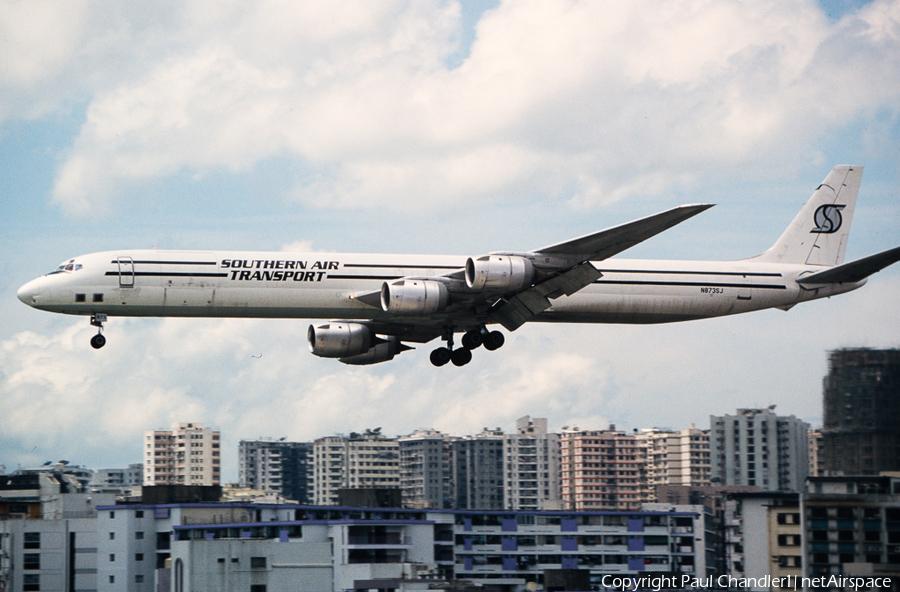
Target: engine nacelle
pixel 383 351
pixel 499 272
pixel 339 340
pixel 414 297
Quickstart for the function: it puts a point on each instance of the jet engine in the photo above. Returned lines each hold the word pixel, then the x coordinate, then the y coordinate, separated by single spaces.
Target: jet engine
pixel 339 340
pixel 384 350
pixel 352 343
pixel 498 272
pixel 414 297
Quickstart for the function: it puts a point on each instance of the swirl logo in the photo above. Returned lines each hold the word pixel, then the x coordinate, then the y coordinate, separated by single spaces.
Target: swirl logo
pixel 828 219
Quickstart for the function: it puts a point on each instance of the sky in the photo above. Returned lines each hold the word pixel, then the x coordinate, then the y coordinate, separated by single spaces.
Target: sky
pixel 428 126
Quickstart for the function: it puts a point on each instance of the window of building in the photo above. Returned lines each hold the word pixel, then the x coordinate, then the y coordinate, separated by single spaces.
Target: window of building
pixel 138 556
pixel 258 588
pixel 258 562
pixel 31 561
pixel 32 540
pixel 788 518
pixel 112 556
pixel 139 579
pixel 31 582
pixel 139 535
pixel 139 514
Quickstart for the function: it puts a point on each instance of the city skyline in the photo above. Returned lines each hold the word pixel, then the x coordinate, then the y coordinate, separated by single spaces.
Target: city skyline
pixel 437 127
pixel 644 437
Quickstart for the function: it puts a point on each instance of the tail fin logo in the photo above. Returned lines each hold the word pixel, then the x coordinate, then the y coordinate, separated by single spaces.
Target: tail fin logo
pixel 828 219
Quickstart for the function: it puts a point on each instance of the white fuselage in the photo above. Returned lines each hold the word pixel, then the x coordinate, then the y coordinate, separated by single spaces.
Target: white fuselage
pixel 327 286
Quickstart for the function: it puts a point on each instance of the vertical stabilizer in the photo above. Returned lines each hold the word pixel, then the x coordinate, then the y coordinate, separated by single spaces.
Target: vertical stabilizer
pixel 818 235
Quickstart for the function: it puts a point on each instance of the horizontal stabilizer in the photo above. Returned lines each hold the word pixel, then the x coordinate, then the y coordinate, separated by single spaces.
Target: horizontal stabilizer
pixel 854 271
pixel 606 243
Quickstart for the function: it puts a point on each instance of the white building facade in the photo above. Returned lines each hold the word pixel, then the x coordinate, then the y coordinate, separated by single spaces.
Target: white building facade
pixel 188 454
pixel 360 461
pixel 425 469
pixel 531 467
pixel 757 447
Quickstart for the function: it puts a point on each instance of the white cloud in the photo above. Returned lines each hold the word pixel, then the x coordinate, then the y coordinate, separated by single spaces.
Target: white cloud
pixel 549 93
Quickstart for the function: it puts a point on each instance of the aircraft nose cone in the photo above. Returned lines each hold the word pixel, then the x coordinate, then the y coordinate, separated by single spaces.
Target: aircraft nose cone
pixel 29 293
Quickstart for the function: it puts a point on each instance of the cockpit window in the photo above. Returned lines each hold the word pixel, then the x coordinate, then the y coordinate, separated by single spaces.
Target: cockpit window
pixel 66 266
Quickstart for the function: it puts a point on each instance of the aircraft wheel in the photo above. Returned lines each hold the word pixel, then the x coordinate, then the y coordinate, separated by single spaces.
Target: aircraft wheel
pixel 440 356
pixel 493 340
pixel 472 339
pixel 98 341
pixel 461 356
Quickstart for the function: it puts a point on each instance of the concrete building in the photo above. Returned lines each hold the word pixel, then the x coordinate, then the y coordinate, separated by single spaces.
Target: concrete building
pixel 124 481
pixel 426 458
pixel 360 461
pixel 861 403
pixel 478 470
pixel 271 547
pixel 601 470
pixel 851 526
pixel 282 468
pixel 188 454
pixel 758 447
pixel 674 458
pixel 48 533
pixel 816 453
pixel 763 538
pixel 215 546
pixel 531 467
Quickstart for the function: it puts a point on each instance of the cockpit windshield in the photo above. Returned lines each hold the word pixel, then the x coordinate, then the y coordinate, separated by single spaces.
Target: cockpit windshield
pixel 66 266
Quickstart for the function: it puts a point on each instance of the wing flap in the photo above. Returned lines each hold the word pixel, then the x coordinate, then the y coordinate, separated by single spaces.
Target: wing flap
pixel 515 311
pixel 855 271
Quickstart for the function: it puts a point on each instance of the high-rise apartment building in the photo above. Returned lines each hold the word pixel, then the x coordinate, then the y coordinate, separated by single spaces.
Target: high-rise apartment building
pixel 816 453
pixel 188 454
pixel 531 475
pixel 758 447
pixel 360 461
pixel 285 468
pixel 426 469
pixel 861 432
pixel 675 458
pixel 478 471
pixel 601 470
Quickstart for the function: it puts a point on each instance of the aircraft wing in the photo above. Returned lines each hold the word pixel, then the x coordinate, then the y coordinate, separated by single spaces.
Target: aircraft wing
pixel 606 243
pixel 514 310
pixel 559 269
pixel 853 271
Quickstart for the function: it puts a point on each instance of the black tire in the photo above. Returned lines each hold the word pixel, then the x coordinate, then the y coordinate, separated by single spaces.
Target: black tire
pixel 494 340
pixel 472 339
pixel 440 356
pixel 98 341
pixel 461 356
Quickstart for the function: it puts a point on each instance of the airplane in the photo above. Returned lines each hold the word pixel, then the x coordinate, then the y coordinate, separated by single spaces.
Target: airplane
pixel 376 304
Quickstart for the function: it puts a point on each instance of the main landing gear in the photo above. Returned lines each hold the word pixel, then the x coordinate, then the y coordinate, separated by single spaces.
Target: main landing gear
pixel 98 340
pixel 473 339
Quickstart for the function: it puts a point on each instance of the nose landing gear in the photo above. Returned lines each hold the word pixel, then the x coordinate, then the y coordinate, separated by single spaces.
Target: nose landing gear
pixel 470 340
pixel 98 340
